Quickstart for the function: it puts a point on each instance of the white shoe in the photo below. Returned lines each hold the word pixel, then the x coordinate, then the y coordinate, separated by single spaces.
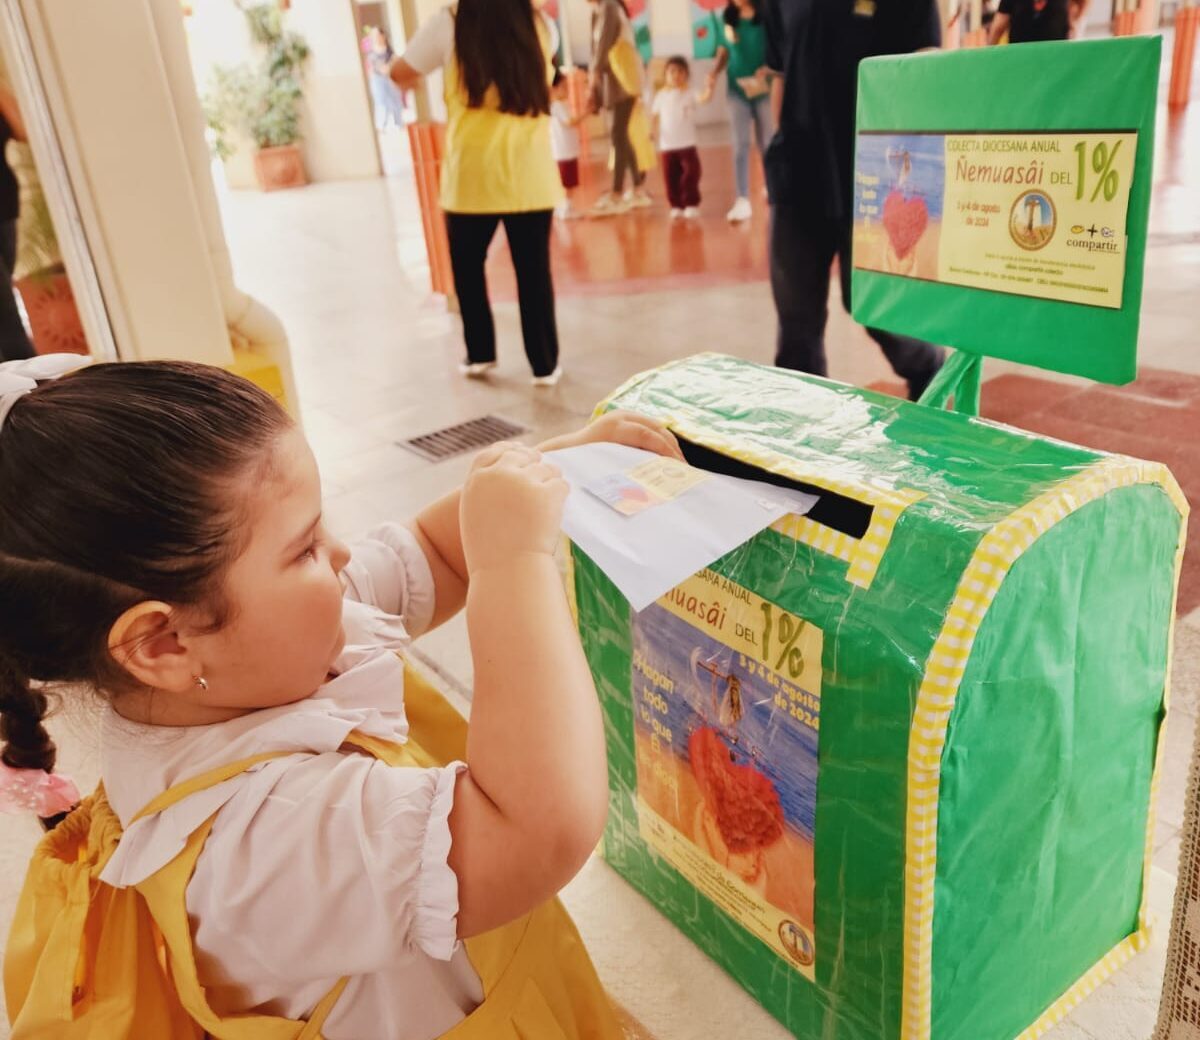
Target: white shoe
pixel 692 212
pixel 676 214
pixel 608 206
pixel 741 211
pixel 639 198
pixel 550 380
pixel 566 211
pixel 476 369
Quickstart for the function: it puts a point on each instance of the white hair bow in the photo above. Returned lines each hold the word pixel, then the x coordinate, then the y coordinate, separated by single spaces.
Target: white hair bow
pixel 17 378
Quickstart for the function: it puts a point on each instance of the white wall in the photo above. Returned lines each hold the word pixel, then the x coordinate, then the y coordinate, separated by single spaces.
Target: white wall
pixel 339 135
pixel 339 132
pixel 113 111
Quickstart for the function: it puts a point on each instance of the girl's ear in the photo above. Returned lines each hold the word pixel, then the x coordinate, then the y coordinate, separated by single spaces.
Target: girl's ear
pixel 145 642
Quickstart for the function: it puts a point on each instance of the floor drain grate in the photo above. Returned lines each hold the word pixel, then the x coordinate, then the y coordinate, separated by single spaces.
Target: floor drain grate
pixel 466 436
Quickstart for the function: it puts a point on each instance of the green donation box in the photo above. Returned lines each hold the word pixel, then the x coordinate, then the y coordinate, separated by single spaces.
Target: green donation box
pixel 892 763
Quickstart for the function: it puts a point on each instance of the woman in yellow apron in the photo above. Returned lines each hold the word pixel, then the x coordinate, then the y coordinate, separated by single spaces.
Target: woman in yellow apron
pixel 286 841
pixel 497 168
pixel 616 86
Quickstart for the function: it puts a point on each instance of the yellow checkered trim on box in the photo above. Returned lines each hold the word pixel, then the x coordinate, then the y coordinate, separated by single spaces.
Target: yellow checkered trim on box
pixel 1109 963
pixel 997 552
pixel 868 553
pixel 822 538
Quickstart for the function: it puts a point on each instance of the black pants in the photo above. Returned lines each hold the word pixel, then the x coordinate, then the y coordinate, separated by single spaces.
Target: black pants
pixel 14 342
pixel 624 157
pixel 528 236
pixel 802 252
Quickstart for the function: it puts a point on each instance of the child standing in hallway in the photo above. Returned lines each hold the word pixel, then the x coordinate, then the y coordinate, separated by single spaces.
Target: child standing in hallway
pixel 675 119
pixel 564 143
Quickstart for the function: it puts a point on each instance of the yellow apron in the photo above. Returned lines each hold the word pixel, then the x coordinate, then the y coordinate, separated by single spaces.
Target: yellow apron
pixel 626 65
pixel 496 162
pixel 85 959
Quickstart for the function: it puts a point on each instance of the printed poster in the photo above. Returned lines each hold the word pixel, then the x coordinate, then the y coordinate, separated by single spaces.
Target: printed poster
pixel 639 19
pixel 1040 214
pixel 727 703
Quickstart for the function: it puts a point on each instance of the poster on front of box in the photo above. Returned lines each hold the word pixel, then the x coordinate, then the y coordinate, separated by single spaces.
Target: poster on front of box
pixel 1008 223
pixel 727 704
pixel 1038 214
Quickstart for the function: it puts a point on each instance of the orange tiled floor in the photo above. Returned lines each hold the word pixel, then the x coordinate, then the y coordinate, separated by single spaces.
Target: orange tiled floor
pixel 646 251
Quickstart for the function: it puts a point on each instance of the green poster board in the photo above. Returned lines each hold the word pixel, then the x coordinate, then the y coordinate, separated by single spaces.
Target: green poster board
pixel 1001 200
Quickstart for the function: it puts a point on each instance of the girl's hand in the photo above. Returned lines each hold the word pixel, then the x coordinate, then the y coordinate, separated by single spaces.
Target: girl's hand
pixel 511 506
pixel 628 428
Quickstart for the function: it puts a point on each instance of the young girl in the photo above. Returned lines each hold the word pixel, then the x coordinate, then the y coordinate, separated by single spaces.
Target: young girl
pixel 311 838
pixel 564 143
pixel 675 116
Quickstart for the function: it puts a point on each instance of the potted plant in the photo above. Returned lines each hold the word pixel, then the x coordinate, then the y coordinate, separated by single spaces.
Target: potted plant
pixel 39 273
pixel 263 102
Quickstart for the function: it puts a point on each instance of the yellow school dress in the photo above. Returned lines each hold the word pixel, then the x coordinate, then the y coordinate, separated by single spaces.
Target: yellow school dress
pixel 85 959
pixel 103 946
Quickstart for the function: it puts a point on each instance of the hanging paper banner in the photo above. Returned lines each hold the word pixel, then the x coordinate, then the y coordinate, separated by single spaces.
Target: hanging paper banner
pixel 708 27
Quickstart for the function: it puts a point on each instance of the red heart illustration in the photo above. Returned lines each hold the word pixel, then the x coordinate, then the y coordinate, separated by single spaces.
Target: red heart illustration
pixel 743 801
pixel 905 220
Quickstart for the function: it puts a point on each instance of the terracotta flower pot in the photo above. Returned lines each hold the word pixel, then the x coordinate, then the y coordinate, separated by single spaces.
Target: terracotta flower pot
pixel 53 316
pixel 281 167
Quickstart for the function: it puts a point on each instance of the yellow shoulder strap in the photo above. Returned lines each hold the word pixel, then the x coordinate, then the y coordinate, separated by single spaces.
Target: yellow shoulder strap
pixel 180 791
pixel 165 893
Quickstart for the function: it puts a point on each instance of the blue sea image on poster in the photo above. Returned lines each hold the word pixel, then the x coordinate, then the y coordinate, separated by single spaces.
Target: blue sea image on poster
pixel 913 163
pixel 723 762
pixel 899 190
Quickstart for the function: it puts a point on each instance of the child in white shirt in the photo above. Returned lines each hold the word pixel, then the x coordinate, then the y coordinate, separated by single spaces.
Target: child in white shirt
pixel 675 119
pixel 257 719
pixel 564 143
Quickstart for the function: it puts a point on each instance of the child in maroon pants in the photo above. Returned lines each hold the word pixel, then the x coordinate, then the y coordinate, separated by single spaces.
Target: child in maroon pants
pixel 564 143
pixel 675 118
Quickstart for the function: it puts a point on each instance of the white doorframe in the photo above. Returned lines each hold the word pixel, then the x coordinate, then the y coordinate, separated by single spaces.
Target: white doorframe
pixel 21 38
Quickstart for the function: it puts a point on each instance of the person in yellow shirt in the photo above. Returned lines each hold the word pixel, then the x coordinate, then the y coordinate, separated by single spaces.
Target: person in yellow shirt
pixel 498 167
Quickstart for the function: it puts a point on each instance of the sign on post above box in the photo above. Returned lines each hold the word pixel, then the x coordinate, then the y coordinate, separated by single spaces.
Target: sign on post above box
pixel 1001 200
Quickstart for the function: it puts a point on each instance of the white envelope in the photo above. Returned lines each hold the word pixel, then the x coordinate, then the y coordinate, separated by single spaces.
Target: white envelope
pixel 648 554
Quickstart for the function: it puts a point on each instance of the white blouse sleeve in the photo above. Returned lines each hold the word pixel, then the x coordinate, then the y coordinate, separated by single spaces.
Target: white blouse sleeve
pixel 340 869
pixel 433 45
pixel 388 570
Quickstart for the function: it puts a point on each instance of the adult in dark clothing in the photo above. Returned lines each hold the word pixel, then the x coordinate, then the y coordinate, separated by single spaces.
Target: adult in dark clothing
pixel 814 48
pixel 1030 21
pixel 14 341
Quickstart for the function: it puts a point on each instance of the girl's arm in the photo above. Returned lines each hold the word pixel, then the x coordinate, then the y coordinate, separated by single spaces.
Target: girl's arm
pixel 439 532
pixel 531 806
pixel 429 49
pixel 403 74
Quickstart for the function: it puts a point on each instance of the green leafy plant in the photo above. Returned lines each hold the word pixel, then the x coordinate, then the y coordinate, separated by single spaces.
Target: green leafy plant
pixel 262 102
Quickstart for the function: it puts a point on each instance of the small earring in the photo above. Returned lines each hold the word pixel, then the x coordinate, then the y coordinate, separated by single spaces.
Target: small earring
pixel 202 682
